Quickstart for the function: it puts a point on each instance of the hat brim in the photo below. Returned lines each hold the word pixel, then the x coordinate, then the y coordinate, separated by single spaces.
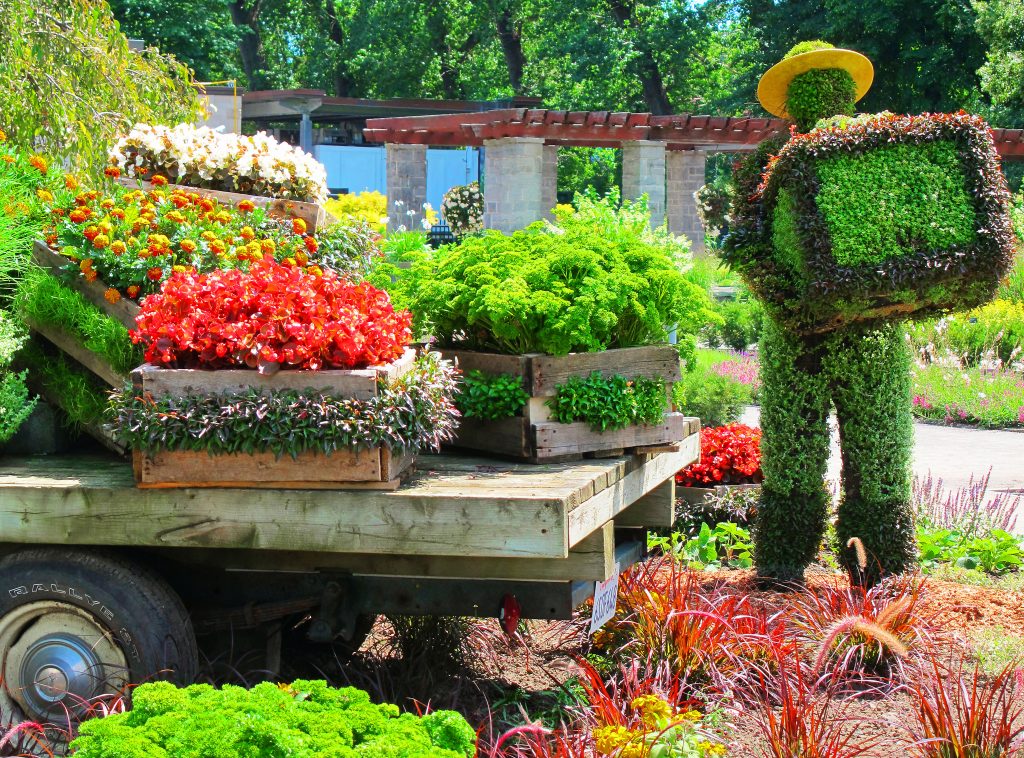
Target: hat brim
pixel 774 85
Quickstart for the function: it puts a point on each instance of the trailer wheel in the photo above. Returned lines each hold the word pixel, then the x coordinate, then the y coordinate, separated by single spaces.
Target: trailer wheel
pixel 77 625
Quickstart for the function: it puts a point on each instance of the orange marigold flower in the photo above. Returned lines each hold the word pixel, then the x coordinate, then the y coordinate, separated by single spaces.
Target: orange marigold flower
pixel 311 244
pixel 117 213
pixel 246 206
pixel 133 291
pixel 176 216
pixel 39 162
pixel 90 232
pixel 268 246
pixel 189 246
pixel 101 241
pixel 111 295
pixel 82 198
pixel 222 217
pixel 301 257
pixel 315 271
pixel 70 182
pixel 3 136
pixel 159 180
pixel 86 265
pixel 141 170
pixel 90 275
pixel 298 226
pixel 217 247
pixel 8 158
pixel 247 233
pixel 107 204
pixel 112 171
pixel 106 227
pixel 289 261
pixel 155 274
pixel 117 247
pixel 206 204
pixel 179 200
pixel 44 195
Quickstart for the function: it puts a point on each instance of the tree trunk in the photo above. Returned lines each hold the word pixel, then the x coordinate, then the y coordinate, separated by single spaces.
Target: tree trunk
pixel 245 13
pixel 510 35
pixel 647 66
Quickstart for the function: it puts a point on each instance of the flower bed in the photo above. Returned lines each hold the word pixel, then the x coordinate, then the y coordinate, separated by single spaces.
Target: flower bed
pixel 279 377
pixel 730 458
pixel 201 157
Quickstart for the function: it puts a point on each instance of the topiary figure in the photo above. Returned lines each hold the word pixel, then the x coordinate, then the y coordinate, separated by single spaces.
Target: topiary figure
pixel 850 226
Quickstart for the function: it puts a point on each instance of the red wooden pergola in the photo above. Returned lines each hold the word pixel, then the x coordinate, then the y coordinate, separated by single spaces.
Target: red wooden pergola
pixel 602 129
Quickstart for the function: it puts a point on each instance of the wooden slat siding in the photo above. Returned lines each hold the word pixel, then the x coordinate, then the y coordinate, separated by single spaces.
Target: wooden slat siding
pixel 616 498
pixel 549 371
pixel 124 310
pixel 489 363
pixel 507 436
pixel 311 213
pixel 76 350
pixel 554 438
pixel 655 509
pixel 593 560
pixel 440 121
pixel 177 467
pixel 360 384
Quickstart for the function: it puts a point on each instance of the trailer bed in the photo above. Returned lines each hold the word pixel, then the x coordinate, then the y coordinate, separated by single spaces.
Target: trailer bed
pixel 531 521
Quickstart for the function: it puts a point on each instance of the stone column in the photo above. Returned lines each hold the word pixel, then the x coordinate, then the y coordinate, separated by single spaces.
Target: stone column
pixel 549 190
pixel 406 177
pixel 685 177
pixel 643 172
pixel 513 182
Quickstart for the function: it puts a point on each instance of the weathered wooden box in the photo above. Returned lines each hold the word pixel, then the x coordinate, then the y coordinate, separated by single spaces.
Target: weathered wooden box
pixel 374 468
pixel 533 435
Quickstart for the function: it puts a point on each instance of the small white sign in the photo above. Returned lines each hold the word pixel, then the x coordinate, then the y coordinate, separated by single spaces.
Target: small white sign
pixel 606 595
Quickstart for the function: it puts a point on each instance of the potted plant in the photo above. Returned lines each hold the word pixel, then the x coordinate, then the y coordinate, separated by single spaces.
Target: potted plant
pixel 278 377
pixel 561 331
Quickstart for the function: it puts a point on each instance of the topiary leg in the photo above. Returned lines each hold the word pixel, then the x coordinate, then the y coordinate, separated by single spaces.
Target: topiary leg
pixel 794 455
pixel 869 369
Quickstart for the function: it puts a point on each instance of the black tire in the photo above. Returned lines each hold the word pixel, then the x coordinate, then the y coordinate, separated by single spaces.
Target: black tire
pixel 134 612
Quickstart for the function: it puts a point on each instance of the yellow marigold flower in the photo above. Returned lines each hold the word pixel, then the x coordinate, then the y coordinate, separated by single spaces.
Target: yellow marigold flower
pixel 217 247
pixel 106 227
pixel 8 158
pixel 222 217
pixel 255 255
pixel 189 246
pixel 179 269
pixel 86 265
pixel 158 180
pixel 3 136
pixel 208 236
pixel 39 162
pixel 117 247
pixel 298 226
pixel 101 241
pixel 246 206
pixel 269 247
pixel 654 712
pixel 44 195
pixel 111 295
pixel 693 716
pixel 70 182
pixel 247 233
pixel 176 216
pixel 315 271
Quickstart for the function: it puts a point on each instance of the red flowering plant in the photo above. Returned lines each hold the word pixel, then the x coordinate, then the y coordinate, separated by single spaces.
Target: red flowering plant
pixel 274 316
pixel 729 454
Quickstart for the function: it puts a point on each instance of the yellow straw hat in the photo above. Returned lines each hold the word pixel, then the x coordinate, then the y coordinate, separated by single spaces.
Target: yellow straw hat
pixel 774 85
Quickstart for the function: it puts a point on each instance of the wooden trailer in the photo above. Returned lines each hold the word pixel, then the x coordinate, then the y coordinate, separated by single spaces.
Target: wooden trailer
pixel 102 582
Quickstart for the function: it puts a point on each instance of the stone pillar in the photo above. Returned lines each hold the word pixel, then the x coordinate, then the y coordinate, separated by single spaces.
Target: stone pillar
pixel 513 182
pixel 549 190
pixel 406 177
pixel 643 172
pixel 685 177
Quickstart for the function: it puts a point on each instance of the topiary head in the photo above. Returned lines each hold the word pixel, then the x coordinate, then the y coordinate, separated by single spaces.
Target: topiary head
pixel 814 81
pixel 820 92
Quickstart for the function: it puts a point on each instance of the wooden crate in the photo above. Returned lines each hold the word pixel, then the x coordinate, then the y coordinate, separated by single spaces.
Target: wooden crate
pixel 374 468
pixel 312 213
pixel 533 435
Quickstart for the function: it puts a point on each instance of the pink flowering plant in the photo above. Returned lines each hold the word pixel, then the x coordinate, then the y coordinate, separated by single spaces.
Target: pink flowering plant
pixel 991 398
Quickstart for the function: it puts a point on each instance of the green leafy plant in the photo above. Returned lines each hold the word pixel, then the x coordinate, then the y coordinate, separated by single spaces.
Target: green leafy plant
pixel 714 398
pixel 43 299
pixel 414 412
pixel 740 325
pixel 994 552
pixel 598 279
pixel 609 402
pixel 305 719
pixel 81 396
pixel 728 545
pixel 490 396
pixel 15 403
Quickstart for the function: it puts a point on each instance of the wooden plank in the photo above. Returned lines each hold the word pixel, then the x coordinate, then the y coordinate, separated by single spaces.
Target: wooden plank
pixel 613 500
pixel 548 371
pixel 507 436
pixel 187 467
pixel 554 438
pixel 488 363
pixel 68 344
pixel 93 501
pixel 311 213
pixel 656 508
pixel 360 384
pixel 593 559
pixel 124 310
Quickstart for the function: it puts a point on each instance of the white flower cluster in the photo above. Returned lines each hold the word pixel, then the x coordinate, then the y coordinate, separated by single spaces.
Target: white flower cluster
pixel 202 157
pixel 463 209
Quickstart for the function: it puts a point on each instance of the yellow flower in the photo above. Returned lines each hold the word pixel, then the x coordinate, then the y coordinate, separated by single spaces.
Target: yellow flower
pixel 268 247
pixel 654 712
pixel 618 741
pixel 3 136
pixel 38 162
pixel 111 295
pixel 70 182
pixel 44 195
pixel 247 233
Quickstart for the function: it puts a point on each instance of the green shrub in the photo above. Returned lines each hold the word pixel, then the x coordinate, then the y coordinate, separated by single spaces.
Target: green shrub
pixel 728 545
pixel 740 326
pixel 306 719
pixel 599 279
pixel 996 328
pixel 82 396
pixel 490 396
pixel 715 399
pixel 15 403
pixel 609 402
pixel 993 552
pixel 43 299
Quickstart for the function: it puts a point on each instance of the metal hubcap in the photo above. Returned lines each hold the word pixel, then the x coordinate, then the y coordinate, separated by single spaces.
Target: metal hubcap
pixel 55 658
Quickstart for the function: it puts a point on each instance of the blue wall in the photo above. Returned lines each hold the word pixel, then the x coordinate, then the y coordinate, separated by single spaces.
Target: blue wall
pixel 360 169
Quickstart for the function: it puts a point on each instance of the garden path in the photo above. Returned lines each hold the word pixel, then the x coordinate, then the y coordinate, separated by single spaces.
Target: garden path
pixel 952 453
